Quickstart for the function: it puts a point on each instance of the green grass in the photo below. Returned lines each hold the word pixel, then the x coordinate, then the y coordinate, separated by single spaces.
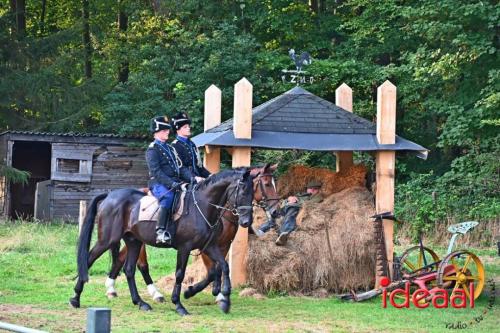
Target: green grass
pixel 37 266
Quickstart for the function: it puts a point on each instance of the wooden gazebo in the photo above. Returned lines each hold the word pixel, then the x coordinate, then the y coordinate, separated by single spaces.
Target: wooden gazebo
pixel 298 119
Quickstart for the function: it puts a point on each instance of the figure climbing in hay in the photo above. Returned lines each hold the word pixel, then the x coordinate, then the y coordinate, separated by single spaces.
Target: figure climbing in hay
pixel 289 210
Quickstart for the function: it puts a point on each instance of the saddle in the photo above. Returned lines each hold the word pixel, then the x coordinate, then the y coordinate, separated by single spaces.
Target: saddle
pixel 149 208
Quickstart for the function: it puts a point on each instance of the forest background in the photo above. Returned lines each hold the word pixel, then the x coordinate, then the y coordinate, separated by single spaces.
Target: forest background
pixel 110 65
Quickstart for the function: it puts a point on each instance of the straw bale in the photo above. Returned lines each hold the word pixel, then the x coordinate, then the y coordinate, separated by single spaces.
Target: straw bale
pixel 297 176
pixel 305 264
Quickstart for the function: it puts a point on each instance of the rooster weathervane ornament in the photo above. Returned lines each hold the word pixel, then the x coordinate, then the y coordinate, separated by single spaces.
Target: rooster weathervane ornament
pixel 298 76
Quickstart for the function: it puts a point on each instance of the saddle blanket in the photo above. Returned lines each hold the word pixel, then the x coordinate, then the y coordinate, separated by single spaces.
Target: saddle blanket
pixel 149 208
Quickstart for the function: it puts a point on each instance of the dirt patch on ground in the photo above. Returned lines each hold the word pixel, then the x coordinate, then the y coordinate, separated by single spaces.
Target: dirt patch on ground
pixel 43 319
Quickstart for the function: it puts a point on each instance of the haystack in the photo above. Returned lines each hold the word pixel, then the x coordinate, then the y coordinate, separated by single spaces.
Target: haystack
pixel 333 246
pixel 297 176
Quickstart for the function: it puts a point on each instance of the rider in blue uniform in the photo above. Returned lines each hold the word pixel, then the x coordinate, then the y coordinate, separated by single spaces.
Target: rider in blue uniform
pixel 187 150
pixel 166 175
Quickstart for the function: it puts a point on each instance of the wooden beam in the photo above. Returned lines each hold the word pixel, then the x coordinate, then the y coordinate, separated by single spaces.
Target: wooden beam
pixel 343 99
pixel 81 216
pixel 386 113
pixel 238 253
pixel 213 106
pixel 241 156
pixel 242 120
pixel 385 164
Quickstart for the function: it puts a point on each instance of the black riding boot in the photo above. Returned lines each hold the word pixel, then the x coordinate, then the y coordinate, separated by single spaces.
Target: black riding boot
pixel 162 234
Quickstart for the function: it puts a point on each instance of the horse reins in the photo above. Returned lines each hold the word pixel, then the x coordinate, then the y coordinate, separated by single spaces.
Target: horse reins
pixel 233 211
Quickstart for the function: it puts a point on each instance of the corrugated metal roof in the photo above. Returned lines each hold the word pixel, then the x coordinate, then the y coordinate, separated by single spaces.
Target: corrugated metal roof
pixel 77 134
pixel 298 119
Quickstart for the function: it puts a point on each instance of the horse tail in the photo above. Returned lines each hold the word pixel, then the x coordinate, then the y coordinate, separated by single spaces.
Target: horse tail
pixel 85 238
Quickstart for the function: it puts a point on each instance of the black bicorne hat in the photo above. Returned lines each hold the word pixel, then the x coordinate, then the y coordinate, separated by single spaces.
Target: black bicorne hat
pixel 180 119
pixel 159 123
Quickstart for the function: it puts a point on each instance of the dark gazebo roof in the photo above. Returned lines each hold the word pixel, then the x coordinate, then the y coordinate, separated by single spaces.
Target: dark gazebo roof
pixel 298 119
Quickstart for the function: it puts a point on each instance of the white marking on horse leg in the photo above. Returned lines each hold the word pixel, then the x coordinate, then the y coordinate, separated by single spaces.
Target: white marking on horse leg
pixel 154 292
pixel 110 287
pixel 219 298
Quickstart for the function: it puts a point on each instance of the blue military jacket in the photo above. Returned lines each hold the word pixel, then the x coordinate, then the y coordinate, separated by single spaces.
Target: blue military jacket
pixel 190 156
pixel 165 166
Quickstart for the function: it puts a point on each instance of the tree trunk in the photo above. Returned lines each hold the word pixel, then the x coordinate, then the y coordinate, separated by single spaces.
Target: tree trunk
pixel 122 26
pixel 42 16
pixel 314 5
pixel 158 8
pixel 87 46
pixel 322 6
pixel 156 5
pixel 18 9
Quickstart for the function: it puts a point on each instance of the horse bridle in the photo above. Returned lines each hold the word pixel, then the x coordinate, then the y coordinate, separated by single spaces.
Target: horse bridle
pixel 265 199
pixel 236 210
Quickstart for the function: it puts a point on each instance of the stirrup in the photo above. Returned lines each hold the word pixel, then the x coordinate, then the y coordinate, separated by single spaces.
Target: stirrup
pixel 162 236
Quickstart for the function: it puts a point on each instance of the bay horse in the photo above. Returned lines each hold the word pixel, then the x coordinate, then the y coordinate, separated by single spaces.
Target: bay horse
pixel 198 228
pixel 266 197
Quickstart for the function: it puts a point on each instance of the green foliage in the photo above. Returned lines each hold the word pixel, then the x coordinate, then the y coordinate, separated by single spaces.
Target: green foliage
pixel 442 56
pixel 13 175
pixel 469 191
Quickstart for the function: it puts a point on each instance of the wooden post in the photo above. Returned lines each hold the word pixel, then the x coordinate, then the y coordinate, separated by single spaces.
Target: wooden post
pixel 385 163
pixel 242 123
pixel 242 128
pixel 81 216
pixel 213 105
pixel 343 99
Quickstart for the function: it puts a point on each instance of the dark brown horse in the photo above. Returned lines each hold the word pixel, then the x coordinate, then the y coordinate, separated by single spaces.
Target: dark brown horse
pixel 198 228
pixel 264 194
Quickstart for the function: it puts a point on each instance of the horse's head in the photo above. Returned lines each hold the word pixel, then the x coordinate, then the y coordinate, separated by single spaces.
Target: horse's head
pixel 240 196
pixel 265 188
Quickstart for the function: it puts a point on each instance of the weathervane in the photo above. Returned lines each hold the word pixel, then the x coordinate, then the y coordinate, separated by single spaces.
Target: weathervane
pixel 298 76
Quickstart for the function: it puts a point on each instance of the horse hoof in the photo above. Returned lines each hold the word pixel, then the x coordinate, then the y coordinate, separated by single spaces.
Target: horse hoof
pixel 112 295
pixel 182 312
pixel 145 307
pixel 160 299
pixel 188 293
pixel 224 305
pixel 74 302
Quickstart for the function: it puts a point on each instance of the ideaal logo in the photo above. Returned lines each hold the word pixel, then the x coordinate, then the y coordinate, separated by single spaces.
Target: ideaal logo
pixel 420 296
pixel 438 297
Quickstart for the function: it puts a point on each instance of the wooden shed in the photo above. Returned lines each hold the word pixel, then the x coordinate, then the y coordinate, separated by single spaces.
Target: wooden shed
pixel 66 168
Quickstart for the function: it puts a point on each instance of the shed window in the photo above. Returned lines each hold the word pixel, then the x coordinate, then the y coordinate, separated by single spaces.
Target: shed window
pixel 67 165
pixel 71 163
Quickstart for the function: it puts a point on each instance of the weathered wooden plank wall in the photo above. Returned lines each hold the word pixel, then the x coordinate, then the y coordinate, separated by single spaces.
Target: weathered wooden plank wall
pixel 113 167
